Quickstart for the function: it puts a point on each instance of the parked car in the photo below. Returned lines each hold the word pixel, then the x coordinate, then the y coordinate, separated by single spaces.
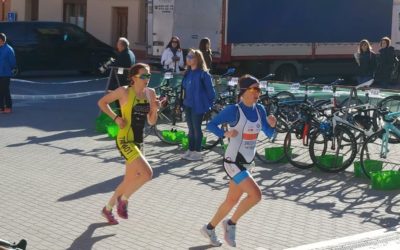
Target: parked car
pixel 55 46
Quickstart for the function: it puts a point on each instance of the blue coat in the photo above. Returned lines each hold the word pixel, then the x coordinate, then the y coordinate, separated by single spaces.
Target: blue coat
pixel 199 93
pixel 7 60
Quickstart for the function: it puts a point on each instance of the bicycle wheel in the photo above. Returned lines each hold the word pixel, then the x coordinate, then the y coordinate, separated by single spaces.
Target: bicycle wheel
pixel 392 104
pixel 338 155
pixel 373 150
pixel 296 144
pixel 275 143
pixel 211 140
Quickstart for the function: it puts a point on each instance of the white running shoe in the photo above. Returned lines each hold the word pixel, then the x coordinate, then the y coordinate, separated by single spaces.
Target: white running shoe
pixel 195 156
pixel 186 155
pixel 211 235
pixel 229 233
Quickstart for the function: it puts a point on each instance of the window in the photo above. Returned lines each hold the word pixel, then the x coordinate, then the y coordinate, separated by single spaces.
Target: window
pixel 75 12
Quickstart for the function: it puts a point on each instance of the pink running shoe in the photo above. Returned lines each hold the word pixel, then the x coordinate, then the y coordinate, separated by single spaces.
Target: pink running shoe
pixel 109 216
pixel 122 208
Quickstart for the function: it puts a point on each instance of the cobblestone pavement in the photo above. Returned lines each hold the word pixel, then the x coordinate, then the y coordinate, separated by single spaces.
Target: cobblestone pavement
pixel 57 173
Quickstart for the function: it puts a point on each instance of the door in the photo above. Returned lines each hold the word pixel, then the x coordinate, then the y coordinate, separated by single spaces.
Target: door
pixel 396 26
pixel 75 49
pixel 120 23
pixel 162 25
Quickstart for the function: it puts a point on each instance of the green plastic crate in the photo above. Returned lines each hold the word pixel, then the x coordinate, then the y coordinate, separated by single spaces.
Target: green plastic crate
pixel 102 121
pixel 173 136
pixel 275 153
pixel 370 165
pixel 112 130
pixel 328 160
pixel 185 142
pixel 385 180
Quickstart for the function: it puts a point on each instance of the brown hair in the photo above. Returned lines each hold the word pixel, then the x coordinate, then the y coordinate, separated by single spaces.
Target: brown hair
pixel 203 43
pixel 178 46
pixel 364 41
pixel 201 64
pixel 134 70
pixel 387 40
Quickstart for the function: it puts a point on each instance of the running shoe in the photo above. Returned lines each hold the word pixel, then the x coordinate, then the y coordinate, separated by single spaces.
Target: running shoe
pixel 211 235
pixel 230 233
pixel 122 208
pixel 109 216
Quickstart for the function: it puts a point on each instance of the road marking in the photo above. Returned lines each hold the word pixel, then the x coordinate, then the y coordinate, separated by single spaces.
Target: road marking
pixel 382 239
pixel 58 83
pixel 54 97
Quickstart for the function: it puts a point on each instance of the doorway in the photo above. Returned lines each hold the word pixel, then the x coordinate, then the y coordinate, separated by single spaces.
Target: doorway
pixel 120 23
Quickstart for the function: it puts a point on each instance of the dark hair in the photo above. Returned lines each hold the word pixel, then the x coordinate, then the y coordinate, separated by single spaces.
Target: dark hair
pixel 203 43
pixel 134 70
pixel 244 82
pixel 364 41
pixel 387 40
pixel 3 37
pixel 170 42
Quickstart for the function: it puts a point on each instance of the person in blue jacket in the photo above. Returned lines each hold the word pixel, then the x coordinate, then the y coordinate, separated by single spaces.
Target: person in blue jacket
pixel 198 98
pixel 246 119
pixel 7 64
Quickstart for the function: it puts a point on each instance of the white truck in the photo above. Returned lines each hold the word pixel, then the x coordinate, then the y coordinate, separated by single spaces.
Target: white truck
pixel 285 37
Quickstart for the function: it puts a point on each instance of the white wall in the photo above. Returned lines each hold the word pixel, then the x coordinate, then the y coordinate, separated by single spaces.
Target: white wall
pixel 19 7
pixel 99 19
pixel 51 10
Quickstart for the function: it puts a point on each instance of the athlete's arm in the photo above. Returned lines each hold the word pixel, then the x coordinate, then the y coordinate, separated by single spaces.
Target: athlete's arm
pixel 103 103
pixel 154 104
pixel 268 127
pixel 227 115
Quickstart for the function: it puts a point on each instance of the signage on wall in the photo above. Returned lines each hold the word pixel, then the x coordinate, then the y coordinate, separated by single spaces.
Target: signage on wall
pixel 12 16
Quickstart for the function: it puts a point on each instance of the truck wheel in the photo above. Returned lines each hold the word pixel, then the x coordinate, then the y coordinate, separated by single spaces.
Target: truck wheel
pixel 287 73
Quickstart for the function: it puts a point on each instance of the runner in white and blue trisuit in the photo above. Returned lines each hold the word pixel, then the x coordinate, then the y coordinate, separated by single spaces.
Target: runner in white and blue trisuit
pixel 246 119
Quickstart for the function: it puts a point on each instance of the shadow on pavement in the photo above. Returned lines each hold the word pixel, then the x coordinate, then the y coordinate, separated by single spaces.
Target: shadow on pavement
pixel 86 239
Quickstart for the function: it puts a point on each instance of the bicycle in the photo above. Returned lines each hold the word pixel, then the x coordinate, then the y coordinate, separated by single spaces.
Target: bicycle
pixel 379 148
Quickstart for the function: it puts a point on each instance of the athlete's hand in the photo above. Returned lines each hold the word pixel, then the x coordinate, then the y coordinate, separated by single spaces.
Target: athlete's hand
pixel 271 119
pixel 120 122
pixel 231 133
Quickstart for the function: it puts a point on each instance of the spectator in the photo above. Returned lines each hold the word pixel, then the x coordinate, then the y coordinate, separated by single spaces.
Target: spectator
pixel 205 48
pixel 385 63
pixel 198 97
pixel 125 59
pixel 172 57
pixel 366 60
pixel 7 64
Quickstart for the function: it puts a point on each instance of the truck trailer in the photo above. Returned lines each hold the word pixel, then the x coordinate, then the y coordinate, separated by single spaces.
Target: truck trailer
pixel 289 38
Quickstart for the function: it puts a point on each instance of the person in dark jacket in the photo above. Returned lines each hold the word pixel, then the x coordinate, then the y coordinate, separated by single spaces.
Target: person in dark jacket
pixel 366 60
pixel 205 48
pixel 125 59
pixel 7 64
pixel 385 61
pixel 198 98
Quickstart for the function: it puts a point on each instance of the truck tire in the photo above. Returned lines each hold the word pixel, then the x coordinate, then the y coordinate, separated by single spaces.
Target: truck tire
pixel 286 73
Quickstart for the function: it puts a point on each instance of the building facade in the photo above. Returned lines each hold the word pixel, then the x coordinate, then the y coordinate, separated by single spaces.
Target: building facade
pixel 106 20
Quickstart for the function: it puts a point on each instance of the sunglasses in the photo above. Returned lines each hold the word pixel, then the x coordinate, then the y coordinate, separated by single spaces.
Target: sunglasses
pixel 254 89
pixel 174 41
pixel 190 57
pixel 143 76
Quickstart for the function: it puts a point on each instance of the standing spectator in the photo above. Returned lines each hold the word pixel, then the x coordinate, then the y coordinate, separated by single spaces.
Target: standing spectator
pixel 386 60
pixel 125 59
pixel 172 57
pixel 7 64
pixel 205 48
pixel 366 60
pixel 198 97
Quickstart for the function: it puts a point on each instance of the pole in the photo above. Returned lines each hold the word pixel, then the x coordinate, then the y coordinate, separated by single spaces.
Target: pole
pixel 3 9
